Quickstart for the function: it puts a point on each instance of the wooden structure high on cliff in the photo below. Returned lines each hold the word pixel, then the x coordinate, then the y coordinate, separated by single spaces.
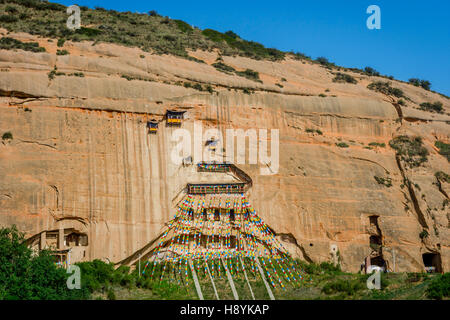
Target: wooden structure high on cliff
pixel 174 118
pixel 152 126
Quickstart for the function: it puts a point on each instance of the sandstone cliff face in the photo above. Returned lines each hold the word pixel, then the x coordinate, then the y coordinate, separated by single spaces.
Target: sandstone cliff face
pixel 81 157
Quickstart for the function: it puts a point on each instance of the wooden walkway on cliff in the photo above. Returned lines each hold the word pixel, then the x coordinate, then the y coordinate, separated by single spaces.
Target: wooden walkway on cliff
pixel 212 188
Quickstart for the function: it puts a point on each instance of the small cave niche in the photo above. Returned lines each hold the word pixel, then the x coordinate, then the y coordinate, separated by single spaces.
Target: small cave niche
pixel 378 261
pixel 216 215
pixel 75 239
pixel 375 243
pixel 373 220
pixel 232 216
pixel 432 262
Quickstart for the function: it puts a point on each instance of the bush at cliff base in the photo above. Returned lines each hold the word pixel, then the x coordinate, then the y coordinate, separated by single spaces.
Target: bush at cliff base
pixel 24 276
pixel 439 287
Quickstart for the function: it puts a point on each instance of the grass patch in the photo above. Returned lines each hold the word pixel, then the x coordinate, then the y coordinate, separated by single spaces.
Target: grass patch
pixel 342 145
pixel 348 287
pixel 439 287
pixel 432 107
pixel 308 130
pixel 442 176
pixel 386 88
pixel 411 150
pixel 249 74
pixel 222 67
pixel 151 32
pixel 376 144
pixel 420 83
pixel 7 136
pixel 371 71
pixel 387 182
pixel 444 149
pixel 61 42
pixel 62 52
pixel 7 43
pixel 345 78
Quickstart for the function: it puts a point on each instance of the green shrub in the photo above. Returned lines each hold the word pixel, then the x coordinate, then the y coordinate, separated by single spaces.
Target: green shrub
pixel 88 32
pixel 348 287
pixel 11 43
pixel 62 52
pixel 249 74
pixel 384 181
pixel 6 18
pixel 371 71
pixel 11 9
pixel 111 295
pixel 420 83
pixel 209 89
pixel 314 131
pixel 97 275
pixel 183 26
pixel 323 61
pixel 439 287
pixel 245 48
pixel 385 87
pixel 28 276
pixel 442 176
pixel 377 144
pixel 7 136
pixel 424 234
pixel 432 107
pixel 195 59
pixel 61 42
pixel 318 269
pixel 343 77
pixel 342 145
pixel 411 150
pixel 444 149
pixel 220 66
pixel 77 74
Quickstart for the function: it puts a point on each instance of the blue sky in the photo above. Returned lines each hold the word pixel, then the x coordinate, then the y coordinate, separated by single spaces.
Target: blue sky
pixel 414 40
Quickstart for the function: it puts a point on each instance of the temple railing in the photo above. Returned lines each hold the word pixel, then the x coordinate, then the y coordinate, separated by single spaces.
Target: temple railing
pixel 209 188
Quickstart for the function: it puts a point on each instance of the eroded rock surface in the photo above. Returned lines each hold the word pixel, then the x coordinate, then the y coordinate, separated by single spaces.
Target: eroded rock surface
pixel 81 157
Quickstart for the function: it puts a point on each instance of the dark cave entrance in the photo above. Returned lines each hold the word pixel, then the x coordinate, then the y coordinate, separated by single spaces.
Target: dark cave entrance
pixel 378 261
pixel 432 262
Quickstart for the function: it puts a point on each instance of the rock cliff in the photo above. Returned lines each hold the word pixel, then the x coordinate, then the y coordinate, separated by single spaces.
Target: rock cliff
pixel 80 157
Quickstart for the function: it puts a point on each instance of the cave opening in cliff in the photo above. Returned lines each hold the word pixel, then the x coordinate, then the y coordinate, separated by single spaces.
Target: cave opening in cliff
pixel 217 215
pixel 76 239
pixel 373 220
pixel 375 243
pixel 232 217
pixel 378 261
pixel 432 262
